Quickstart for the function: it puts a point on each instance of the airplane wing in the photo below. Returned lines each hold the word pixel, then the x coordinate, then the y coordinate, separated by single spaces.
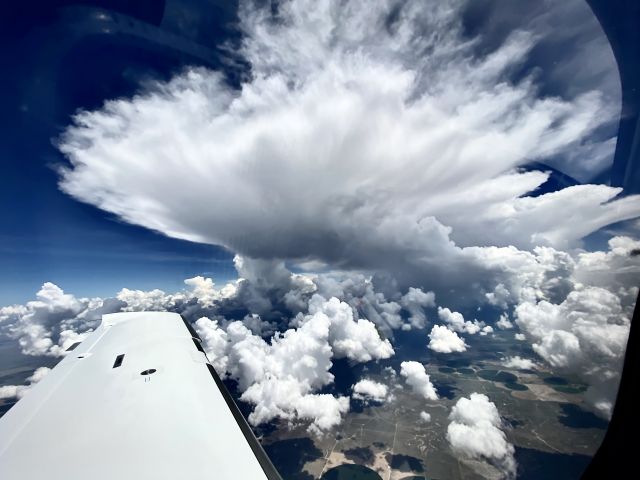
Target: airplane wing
pixel 136 399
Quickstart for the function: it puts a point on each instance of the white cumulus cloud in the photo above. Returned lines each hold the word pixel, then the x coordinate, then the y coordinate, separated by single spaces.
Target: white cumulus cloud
pixel 443 340
pixel 487 329
pixel 475 431
pixel 355 339
pixel 54 321
pixel 519 363
pixel 456 322
pixel 503 322
pixel 368 390
pixel 417 378
pixel 586 335
pixel 280 378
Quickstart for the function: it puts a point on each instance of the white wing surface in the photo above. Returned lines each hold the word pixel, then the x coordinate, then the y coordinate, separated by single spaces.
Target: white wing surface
pixel 137 399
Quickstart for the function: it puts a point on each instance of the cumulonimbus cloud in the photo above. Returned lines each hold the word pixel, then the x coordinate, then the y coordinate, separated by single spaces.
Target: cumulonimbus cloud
pixel 369 135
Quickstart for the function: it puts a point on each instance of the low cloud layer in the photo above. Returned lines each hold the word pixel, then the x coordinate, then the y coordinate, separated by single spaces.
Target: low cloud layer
pixel 574 324
pixel 475 431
